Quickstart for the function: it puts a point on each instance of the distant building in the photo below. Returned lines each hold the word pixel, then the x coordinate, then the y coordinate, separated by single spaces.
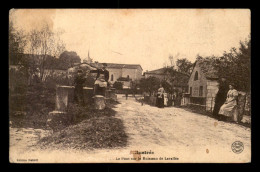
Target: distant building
pixel 122 72
pixel 203 84
pixel 181 79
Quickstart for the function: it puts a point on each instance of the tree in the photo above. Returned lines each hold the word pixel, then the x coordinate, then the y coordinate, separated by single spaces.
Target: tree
pixel 42 43
pixel 235 66
pixel 184 65
pixel 174 78
pixel 17 43
pixel 150 84
pixel 68 58
pixel 167 87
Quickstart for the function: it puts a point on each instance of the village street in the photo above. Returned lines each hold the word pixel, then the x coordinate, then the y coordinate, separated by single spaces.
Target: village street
pixel 176 130
pixel 168 132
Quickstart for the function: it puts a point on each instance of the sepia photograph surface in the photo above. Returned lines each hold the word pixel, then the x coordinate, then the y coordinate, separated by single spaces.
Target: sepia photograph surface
pixel 129 85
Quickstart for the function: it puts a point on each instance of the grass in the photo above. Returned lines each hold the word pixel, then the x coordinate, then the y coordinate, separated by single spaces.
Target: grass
pixel 29 109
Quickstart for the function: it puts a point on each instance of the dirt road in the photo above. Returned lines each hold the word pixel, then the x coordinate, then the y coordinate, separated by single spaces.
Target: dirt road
pixel 171 134
pixel 175 130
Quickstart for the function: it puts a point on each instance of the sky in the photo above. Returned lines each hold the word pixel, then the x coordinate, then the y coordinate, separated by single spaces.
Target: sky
pixel 142 36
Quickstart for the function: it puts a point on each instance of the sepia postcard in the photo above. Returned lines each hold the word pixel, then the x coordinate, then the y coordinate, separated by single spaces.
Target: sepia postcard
pixel 129 86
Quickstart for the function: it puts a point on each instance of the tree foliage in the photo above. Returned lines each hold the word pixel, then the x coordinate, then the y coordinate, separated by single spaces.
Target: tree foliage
pixel 68 58
pixel 150 84
pixel 43 43
pixel 184 65
pixel 35 50
pixel 17 43
pixel 235 66
pixel 174 78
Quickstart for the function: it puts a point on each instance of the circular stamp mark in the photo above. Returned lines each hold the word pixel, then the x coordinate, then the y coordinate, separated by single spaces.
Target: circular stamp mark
pixel 237 147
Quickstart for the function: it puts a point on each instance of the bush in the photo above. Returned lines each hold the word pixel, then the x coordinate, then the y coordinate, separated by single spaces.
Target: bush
pixel 150 84
pixel 18 82
pixel 118 85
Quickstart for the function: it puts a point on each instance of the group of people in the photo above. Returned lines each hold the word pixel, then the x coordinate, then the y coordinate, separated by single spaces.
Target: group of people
pixel 160 98
pixel 100 85
pixel 225 100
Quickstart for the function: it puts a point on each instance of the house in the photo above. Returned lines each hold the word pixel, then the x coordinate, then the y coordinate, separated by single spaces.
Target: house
pixel 131 72
pixel 180 82
pixel 203 84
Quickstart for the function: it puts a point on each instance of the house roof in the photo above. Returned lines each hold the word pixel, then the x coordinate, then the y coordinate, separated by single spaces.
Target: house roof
pixel 118 66
pixel 207 67
pixel 162 71
pixel 181 79
pixel 157 71
pixel 85 65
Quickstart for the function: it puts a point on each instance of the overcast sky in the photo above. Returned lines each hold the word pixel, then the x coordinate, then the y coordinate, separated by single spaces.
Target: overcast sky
pixel 143 36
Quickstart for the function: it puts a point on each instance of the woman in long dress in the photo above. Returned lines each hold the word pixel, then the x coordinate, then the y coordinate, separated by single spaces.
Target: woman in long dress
pixel 160 97
pixel 231 101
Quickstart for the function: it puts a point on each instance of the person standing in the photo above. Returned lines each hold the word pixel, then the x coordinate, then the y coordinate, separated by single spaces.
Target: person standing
pixel 160 97
pixel 220 96
pixel 101 82
pixel 100 86
pixel 103 71
pixel 79 84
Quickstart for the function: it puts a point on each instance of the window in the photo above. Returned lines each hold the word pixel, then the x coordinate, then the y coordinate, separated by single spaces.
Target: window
pixel 190 90
pixel 196 77
pixel 201 91
pixel 112 77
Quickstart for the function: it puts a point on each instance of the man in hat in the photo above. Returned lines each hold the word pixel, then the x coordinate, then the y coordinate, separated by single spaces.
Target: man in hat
pixel 220 96
pixel 78 91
